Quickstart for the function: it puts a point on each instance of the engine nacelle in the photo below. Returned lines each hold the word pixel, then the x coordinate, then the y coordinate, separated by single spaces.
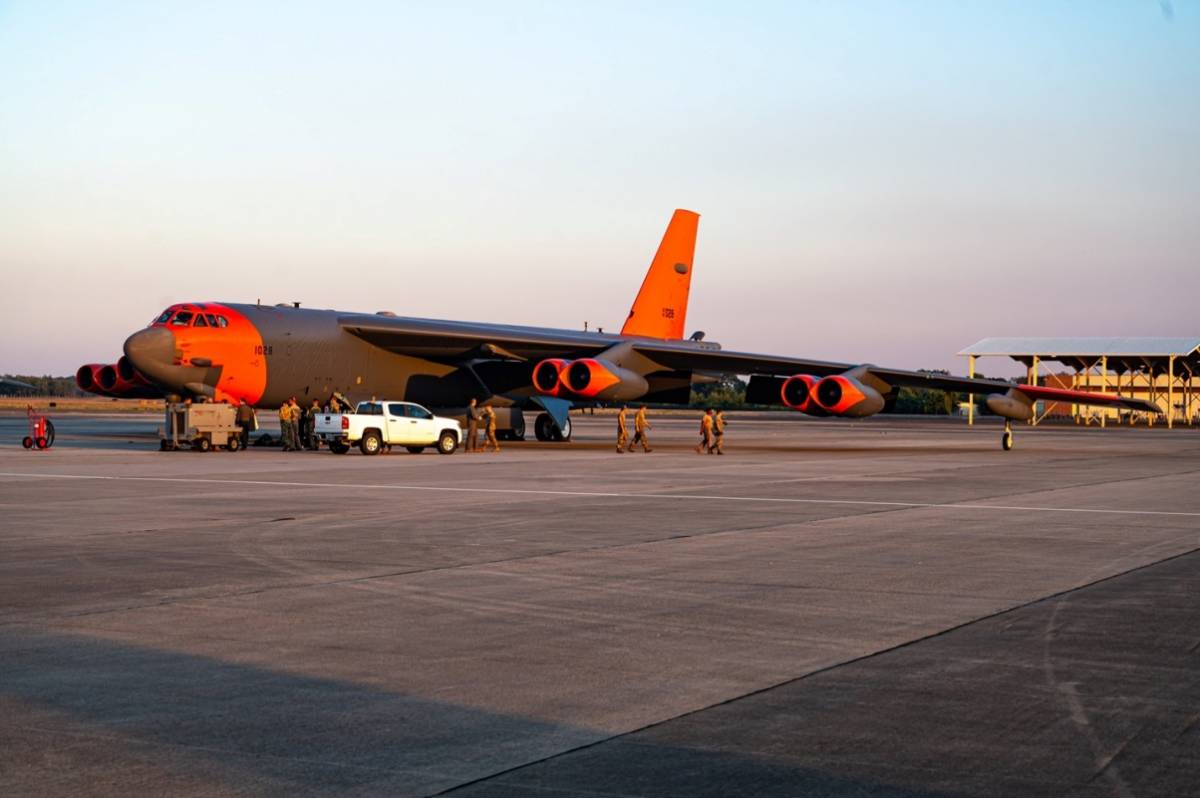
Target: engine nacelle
pixel 841 395
pixel 1009 406
pixel 595 378
pixel 797 392
pixel 546 376
pixel 88 379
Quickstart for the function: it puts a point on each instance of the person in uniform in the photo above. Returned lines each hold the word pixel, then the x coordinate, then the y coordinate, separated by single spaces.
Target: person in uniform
pixel 473 415
pixel 245 422
pixel 285 425
pixel 491 440
pixel 641 425
pixel 334 405
pixel 297 421
pixel 313 412
pixel 622 432
pixel 706 432
pixel 718 433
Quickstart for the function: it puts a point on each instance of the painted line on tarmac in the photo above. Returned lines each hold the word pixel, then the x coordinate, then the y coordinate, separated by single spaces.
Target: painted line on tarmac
pixel 604 495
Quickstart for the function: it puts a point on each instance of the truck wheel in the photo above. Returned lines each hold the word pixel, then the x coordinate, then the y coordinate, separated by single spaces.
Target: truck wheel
pixel 337 447
pixel 203 445
pixel 370 443
pixel 415 449
pixel 447 442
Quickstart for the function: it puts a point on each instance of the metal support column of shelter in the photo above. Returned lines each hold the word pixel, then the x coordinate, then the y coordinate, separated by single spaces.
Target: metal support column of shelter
pixel 971 396
pixel 1033 377
pixel 1103 388
pixel 1170 391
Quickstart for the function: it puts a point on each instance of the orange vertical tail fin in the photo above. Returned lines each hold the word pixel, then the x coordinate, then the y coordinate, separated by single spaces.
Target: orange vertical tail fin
pixel 660 309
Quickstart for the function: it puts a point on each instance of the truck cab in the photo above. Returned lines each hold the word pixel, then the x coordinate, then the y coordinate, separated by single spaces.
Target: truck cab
pixel 381 424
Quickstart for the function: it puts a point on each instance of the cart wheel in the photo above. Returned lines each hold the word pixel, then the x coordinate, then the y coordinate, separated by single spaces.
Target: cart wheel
pixel 203 444
pixel 27 442
pixel 234 444
pixel 41 442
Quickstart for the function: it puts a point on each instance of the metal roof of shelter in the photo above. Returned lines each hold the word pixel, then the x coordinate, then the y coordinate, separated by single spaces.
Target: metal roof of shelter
pixel 1123 354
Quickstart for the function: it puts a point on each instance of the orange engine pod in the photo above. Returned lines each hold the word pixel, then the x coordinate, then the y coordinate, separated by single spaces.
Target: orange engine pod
pixel 546 376
pixel 113 383
pixel 129 374
pixel 88 378
pixel 797 393
pixel 846 396
pixel 594 378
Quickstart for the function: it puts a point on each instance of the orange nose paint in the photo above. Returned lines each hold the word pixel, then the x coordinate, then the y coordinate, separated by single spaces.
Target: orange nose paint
pixel 233 344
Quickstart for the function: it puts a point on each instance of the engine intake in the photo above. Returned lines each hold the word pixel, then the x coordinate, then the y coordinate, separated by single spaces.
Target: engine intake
pixel 797 392
pixel 546 376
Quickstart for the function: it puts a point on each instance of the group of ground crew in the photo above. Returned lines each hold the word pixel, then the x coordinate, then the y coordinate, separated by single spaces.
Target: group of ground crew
pixel 641 426
pixel 296 425
pixel 712 432
pixel 481 417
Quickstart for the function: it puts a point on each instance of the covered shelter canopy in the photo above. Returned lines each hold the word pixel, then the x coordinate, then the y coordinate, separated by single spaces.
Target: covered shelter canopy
pixel 1151 356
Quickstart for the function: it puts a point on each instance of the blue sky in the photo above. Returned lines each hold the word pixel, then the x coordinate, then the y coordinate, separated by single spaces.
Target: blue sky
pixel 878 182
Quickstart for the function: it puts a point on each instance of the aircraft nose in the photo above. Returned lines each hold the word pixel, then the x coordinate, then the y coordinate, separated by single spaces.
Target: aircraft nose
pixel 151 350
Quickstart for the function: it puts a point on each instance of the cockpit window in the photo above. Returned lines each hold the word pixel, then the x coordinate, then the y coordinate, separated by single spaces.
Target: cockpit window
pixel 212 320
pixel 166 314
pixel 182 319
pixel 221 322
pixel 200 322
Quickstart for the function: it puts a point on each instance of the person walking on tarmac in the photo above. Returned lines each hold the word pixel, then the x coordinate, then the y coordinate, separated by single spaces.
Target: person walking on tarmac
pixel 718 433
pixel 473 415
pixel 245 422
pixel 706 432
pixel 491 439
pixel 622 432
pixel 285 425
pixel 640 427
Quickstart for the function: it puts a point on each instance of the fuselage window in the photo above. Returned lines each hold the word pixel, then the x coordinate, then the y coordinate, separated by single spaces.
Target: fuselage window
pixel 200 322
pixel 182 319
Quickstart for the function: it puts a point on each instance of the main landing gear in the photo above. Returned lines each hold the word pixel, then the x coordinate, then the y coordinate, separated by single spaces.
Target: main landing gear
pixel 546 430
pixel 1006 440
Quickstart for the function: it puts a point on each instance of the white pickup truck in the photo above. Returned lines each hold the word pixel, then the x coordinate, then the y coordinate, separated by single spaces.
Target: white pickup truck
pixel 379 424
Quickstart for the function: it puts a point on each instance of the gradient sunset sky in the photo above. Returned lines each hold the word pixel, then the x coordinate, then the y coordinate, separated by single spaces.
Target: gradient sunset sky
pixel 877 181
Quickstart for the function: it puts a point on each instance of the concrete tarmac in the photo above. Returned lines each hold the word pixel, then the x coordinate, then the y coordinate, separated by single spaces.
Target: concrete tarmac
pixel 883 608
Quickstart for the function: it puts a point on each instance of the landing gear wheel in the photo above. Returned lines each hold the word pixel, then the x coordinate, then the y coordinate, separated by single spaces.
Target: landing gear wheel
pixel 546 430
pixel 415 449
pixel 517 431
pixel 234 444
pixel 27 442
pixel 541 427
pixel 370 443
pixel 1006 440
pixel 447 442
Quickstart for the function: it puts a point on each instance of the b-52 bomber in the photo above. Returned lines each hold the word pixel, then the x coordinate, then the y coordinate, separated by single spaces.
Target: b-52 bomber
pixel 263 354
